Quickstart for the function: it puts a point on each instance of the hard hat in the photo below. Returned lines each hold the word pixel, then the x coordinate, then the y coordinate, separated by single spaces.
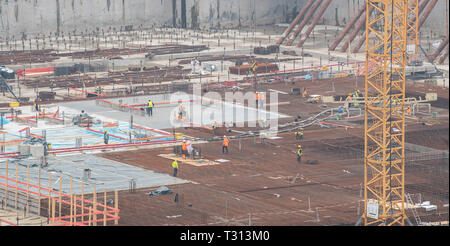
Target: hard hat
pixel 184 141
pixel 299 146
pixel 224 136
pixel 105 130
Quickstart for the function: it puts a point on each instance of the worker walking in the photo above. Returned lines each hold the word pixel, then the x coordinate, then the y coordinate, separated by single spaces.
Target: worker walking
pixel 299 135
pixel 299 153
pixel 106 137
pixel 226 142
pixel 150 108
pixel 184 152
pixel 256 98
pixel 175 167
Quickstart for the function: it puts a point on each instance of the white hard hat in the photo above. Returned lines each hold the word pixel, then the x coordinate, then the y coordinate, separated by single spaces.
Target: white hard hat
pixel 224 136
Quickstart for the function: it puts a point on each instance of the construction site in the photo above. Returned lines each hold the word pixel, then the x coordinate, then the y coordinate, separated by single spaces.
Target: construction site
pixel 224 113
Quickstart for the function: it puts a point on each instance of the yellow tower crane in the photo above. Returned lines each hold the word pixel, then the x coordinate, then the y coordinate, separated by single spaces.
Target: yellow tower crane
pixel 412 26
pixel 384 124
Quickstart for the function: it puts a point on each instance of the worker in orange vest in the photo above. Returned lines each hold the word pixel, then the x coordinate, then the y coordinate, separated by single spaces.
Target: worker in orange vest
pixel 349 99
pixel 261 99
pixel 305 93
pixel 408 111
pixel 256 98
pixel 226 141
pixel 184 149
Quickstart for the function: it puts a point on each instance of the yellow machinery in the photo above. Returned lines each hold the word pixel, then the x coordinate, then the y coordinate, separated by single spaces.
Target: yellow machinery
pixel 384 163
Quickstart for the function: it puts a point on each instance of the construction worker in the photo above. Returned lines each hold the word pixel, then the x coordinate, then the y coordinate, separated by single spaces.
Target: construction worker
pixel 180 111
pixel 175 167
pixel 305 93
pixel 214 126
pixel 98 89
pixel 349 100
pixel 36 106
pixel 256 98
pixel 299 153
pixel 150 108
pixel 299 135
pixel 408 111
pixel 189 148
pixel 261 99
pixel 184 152
pixel 226 142
pixel 106 137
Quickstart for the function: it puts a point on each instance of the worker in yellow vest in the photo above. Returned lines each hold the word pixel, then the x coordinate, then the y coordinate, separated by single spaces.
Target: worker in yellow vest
pixel 299 153
pixel 175 167
pixel 150 108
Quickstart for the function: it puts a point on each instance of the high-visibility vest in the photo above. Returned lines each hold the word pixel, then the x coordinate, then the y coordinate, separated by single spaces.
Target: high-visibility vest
pixel 106 135
pixel 150 104
pixel 305 93
pixel 184 146
pixel 256 96
pixel 299 151
pixel 261 96
pixel 225 142
pixel 175 164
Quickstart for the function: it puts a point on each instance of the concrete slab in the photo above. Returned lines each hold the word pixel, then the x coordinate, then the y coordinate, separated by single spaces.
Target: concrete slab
pixel 105 174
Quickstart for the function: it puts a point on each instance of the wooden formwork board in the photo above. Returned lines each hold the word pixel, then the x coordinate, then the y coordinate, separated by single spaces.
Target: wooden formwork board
pixel 197 163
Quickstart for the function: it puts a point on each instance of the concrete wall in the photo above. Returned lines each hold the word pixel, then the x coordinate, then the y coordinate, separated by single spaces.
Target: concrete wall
pixel 33 16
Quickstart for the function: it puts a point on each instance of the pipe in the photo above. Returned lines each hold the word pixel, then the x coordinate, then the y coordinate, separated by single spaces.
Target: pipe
pixel 359 26
pixel 300 27
pixel 347 28
pixel 442 45
pixel 314 22
pixel 426 13
pixel 443 57
pixel 423 5
pixel 294 22
pixel 358 45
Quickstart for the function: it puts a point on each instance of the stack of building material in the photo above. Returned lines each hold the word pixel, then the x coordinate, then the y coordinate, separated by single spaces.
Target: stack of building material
pixel 260 68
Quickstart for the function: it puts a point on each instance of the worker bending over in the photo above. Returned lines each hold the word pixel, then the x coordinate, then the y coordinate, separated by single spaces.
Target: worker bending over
pixel 299 153
pixel 226 142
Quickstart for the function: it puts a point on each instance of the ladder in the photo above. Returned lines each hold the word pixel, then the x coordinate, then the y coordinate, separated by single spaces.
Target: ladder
pixel 413 209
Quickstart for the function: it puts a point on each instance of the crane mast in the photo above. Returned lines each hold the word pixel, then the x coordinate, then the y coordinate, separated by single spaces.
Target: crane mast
pixel 384 123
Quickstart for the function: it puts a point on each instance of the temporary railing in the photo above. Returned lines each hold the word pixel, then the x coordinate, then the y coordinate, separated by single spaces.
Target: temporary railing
pixel 91 211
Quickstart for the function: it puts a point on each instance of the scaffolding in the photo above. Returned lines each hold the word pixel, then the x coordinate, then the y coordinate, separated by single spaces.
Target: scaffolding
pixel 61 209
